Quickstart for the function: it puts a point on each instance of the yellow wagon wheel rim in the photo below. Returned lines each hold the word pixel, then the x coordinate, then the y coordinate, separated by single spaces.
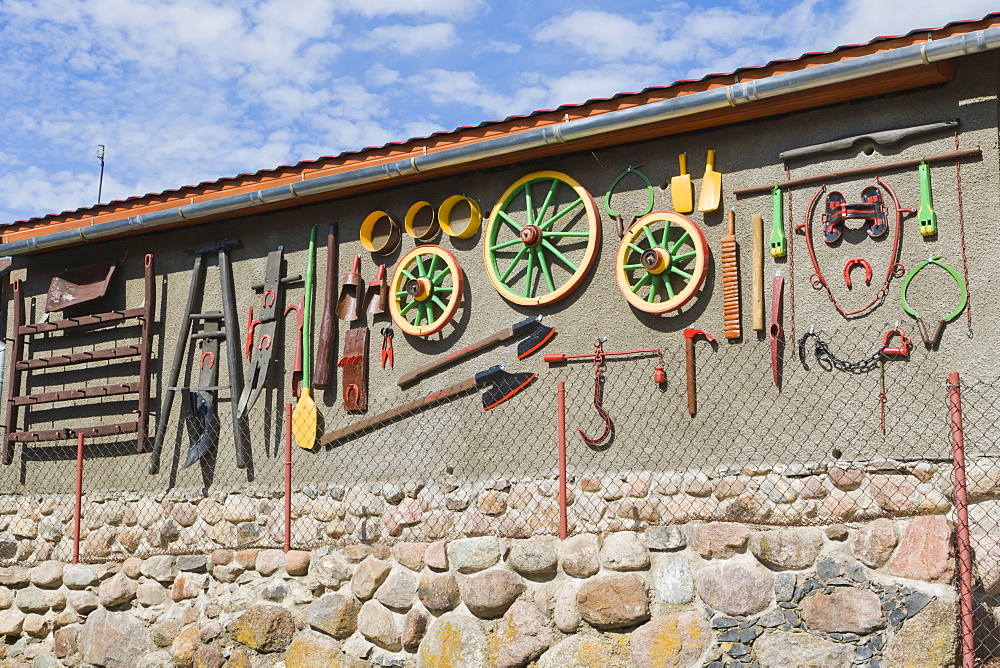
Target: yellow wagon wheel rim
pixel 426 290
pixel 662 262
pixel 541 239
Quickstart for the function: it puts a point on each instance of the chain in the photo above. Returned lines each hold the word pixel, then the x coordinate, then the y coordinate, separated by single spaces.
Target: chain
pixel 598 381
pixel 828 360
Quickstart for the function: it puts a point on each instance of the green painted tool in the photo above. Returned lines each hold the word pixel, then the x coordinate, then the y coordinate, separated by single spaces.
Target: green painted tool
pixel 778 243
pixel 926 215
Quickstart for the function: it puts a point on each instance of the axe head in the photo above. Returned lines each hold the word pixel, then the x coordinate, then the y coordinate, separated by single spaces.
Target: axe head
pixel 538 338
pixel 505 385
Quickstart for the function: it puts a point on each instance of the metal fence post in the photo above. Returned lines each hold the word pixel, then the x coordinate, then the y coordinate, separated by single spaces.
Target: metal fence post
pixel 79 498
pixel 288 476
pixel 561 408
pixel 961 519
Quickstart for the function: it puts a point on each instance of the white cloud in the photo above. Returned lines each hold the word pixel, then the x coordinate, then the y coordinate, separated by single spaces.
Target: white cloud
pixel 498 46
pixel 380 75
pixel 598 34
pixel 410 39
pixel 454 9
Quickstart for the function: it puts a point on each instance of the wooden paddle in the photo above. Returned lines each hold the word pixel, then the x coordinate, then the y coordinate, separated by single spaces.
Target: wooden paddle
pixel 680 187
pixel 304 416
pixel 711 186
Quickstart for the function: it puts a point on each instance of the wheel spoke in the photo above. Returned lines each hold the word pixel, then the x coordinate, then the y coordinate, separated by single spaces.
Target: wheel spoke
pixel 666 233
pixel 681 273
pixel 430 268
pixel 506 244
pixel 441 274
pixel 649 236
pixel 546 271
pixel 565 234
pixel 670 288
pixel 569 207
pixel 513 263
pixel 528 204
pixel 684 256
pixel 527 275
pixel 680 241
pixel 627 267
pixel 651 297
pixel 445 289
pixel 641 282
pixel 440 303
pixel 408 275
pixel 548 198
pixel 562 258
pixel 507 219
pixel 420 314
pixel 401 293
pixel 420 266
pixel 638 250
pixel 405 309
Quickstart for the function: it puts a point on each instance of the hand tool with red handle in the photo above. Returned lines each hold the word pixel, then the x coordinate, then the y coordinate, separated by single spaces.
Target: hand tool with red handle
pixel 297 364
pixel 689 337
pixel 504 385
pixel 387 355
pixel 350 292
pixel 538 336
pixel 324 376
pixel 777 331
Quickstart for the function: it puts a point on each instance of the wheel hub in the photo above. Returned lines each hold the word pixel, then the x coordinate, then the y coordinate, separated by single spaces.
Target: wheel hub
pixel 419 288
pixel 655 260
pixel 531 235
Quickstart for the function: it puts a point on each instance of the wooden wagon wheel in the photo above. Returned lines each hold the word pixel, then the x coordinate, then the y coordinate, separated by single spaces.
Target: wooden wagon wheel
pixel 662 262
pixel 426 290
pixel 538 253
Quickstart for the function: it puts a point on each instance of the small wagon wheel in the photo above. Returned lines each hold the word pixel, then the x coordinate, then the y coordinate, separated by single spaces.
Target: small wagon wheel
pixel 541 239
pixel 662 262
pixel 426 290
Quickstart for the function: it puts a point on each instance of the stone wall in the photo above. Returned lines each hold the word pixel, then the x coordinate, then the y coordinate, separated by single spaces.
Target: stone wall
pixel 116 526
pixel 872 594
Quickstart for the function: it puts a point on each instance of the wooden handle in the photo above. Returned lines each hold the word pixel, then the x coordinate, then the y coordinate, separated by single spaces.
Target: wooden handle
pixel 689 364
pixel 758 273
pixel 327 348
pixel 399 411
pixel 731 223
pixel 422 372
pixel 682 161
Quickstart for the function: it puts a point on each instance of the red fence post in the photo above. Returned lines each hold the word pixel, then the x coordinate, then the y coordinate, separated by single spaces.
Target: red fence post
pixel 288 476
pixel 961 520
pixel 561 404
pixel 79 498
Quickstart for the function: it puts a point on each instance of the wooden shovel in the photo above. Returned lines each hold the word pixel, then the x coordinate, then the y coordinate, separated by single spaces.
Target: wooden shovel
pixel 304 416
pixel 711 186
pixel 680 187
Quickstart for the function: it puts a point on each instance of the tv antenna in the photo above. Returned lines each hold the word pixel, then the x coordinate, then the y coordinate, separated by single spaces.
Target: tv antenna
pixel 100 183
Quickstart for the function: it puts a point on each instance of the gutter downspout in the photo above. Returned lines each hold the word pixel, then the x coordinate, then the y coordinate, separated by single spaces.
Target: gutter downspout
pixel 655 112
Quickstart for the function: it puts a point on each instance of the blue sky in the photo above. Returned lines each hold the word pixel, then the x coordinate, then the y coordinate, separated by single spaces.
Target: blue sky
pixel 195 90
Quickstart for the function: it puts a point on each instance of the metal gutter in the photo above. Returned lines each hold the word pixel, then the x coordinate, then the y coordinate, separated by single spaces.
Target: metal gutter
pixel 655 112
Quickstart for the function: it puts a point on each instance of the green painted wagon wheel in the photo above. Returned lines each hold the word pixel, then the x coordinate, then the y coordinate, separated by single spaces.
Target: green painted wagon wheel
pixel 426 290
pixel 662 262
pixel 541 239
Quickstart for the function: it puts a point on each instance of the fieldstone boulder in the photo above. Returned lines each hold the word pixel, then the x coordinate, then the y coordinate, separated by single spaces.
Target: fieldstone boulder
pixel 13 576
pixel 578 555
pixel 454 639
pixel 926 551
pixel 11 622
pixel 48 574
pixel 613 601
pixel 308 650
pixel 720 540
pixel 82 601
pixel 414 627
pixel 580 650
pixel 119 590
pixel 735 589
pixel 297 562
pixel 113 639
pixel 790 549
pixel 161 568
pixel 330 571
pixel 468 555
pixel 665 538
pixel 623 551
pixel 677 639
pixel 535 556
pixel 334 614
pixel 410 555
pixel 79 576
pixel 845 610
pixel 927 639
pixel 438 591
pixel 489 594
pixel 520 637
pixel 151 593
pixel 184 646
pixel 792 648
pixel 874 542
pixel 673 581
pixel 269 562
pixel 376 623
pixel 565 612
pixel 370 574
pixel 398 590
pixel 264 628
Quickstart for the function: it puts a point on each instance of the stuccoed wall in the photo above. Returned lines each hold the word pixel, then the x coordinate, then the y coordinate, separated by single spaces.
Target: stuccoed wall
pixel 716 594
pixel 737 418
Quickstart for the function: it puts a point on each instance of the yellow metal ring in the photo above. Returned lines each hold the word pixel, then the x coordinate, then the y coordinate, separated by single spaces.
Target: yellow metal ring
pixel 420 221
pixel 380 233
pixel 456 204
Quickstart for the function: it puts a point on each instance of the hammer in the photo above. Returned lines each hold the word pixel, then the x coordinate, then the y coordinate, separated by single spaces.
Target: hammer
pixel 689 337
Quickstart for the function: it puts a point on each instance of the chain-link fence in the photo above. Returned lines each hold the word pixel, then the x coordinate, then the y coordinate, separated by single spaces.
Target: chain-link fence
pixel 844 435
